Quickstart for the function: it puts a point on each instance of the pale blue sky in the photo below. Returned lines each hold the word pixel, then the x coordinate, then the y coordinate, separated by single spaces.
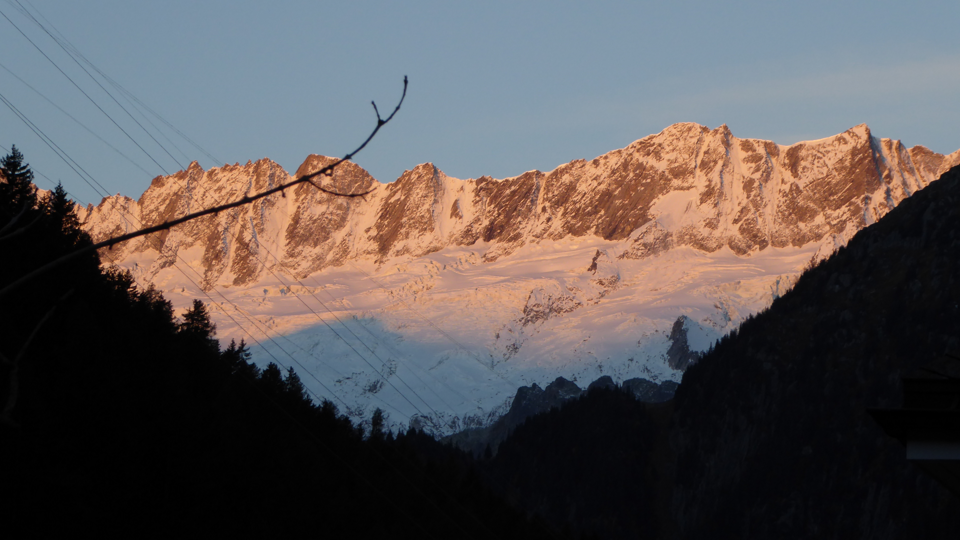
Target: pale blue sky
pixel 496 88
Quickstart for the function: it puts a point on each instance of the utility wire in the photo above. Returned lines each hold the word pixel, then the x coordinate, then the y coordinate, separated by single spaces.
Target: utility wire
pixel 347 327
pixel 89 178
pixel 82 91
pixel 437 328
pixel 90 181
pixel 94 79
pixel 67 159
pixel 437 415
pixel 101 139
pixel 128 94
pixel 250 253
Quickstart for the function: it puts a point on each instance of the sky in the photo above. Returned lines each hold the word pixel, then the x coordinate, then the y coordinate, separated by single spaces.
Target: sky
pixel 495 88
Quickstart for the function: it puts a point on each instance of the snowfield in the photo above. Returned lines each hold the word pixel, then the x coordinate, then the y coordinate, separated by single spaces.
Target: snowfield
pixel 444 340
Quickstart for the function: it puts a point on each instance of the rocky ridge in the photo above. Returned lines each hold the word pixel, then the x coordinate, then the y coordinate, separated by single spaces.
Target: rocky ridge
pixel 686 186
pixel 454 293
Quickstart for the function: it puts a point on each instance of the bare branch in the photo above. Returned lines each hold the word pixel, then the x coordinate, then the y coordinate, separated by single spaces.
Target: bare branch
pixel 15 219
pixel 13 381
pixel 328 171
pixel 21 230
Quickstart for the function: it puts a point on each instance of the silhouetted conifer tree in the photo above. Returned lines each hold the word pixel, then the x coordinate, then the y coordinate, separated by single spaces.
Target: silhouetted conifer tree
pixel 237 358
pixel 271 380
pixel 60 208
pixel 197 326
pixel 197 321
pixel 293 388
pixel 18 189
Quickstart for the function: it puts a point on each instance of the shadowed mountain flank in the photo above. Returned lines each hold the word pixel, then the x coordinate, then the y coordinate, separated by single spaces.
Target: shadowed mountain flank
pixel 771 429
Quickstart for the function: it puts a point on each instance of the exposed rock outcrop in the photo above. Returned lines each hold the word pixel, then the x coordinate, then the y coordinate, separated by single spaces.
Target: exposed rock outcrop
pixel 530 400
pixel 679 356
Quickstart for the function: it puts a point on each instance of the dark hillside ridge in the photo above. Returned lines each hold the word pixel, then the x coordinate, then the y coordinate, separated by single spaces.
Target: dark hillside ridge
pixel 532 400
pixel 770 429
pixel 590 463
pixel 122 420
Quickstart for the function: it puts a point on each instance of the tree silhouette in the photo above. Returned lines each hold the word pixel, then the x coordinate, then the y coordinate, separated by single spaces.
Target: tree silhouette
pixel 293 388
pixel 18 190
pixel 60 208
pixel 237 359
pixel 196 321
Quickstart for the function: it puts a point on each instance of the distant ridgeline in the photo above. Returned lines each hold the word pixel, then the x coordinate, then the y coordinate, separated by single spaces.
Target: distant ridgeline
pixel 532 400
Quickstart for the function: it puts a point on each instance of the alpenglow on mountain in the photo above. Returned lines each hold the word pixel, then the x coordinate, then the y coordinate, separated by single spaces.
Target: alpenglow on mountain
pixel 435 298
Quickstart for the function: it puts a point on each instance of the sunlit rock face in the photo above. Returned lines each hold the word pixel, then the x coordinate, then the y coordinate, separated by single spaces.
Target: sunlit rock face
pixel 435 298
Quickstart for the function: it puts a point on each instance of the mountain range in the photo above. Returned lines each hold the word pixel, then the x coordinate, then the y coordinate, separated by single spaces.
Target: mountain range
pixel 435 298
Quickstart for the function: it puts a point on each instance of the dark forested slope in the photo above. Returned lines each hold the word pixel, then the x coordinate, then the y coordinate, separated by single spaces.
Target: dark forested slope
pixel 120 419
pixel 771 429
pixel 593 463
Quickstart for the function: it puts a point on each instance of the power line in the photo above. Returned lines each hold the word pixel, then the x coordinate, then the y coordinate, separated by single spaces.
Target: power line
pixel 82 91
pixel 68 160
pixel 91 181
pixel 437 328
pixel 94 79
pixel 129 95
pixel 245 200
pixel 382 361
pixel 101 139
pixel 364 359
